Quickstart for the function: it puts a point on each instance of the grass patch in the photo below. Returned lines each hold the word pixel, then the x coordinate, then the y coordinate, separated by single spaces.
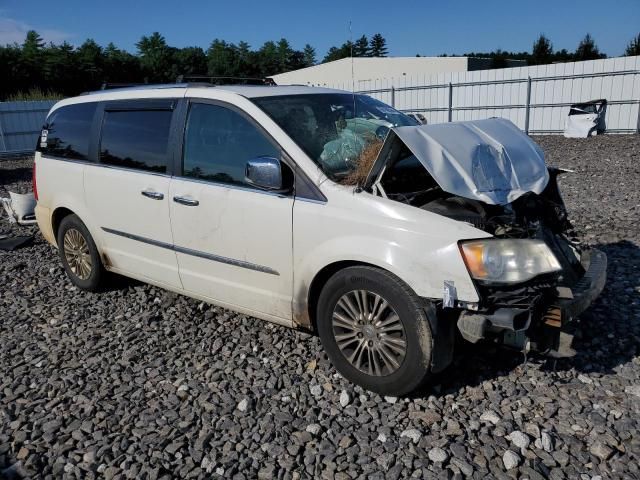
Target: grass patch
pixel 33 95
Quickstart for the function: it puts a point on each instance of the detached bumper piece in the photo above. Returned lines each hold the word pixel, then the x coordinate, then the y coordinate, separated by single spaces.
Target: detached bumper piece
pixel 587 289
pixel 538 316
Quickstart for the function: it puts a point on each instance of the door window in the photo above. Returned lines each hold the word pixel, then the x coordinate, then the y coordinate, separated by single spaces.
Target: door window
pixel 67 131
pixel 218 142
pixel 136 139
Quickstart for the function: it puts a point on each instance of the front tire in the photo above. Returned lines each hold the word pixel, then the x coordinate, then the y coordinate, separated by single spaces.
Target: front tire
pixel 79 254
pixel 375 330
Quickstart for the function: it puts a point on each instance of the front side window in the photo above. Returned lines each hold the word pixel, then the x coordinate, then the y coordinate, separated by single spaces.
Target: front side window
pixel 335 129
pixel 218 143
pixel 67 131
pixel 136 139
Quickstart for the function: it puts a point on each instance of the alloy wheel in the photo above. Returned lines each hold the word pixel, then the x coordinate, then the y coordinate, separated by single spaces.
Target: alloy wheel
pixel 76 252
pixel 369 333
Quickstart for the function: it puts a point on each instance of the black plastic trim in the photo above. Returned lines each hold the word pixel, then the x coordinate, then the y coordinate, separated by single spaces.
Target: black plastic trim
pixel 140 104
pixel 194 253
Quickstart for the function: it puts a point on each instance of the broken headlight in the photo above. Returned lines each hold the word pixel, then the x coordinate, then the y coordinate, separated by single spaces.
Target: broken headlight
pixel 508 260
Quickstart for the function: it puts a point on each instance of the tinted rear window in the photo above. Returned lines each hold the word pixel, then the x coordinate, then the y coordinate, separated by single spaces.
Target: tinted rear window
pixel 136 139
pixel 68 130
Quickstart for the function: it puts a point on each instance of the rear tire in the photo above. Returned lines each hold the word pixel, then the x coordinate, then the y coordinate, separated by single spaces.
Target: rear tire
pixel 79 254
pixel 375 330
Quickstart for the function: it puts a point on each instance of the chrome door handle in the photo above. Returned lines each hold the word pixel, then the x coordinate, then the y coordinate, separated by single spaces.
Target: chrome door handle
pixel 153 195
pixel 189 202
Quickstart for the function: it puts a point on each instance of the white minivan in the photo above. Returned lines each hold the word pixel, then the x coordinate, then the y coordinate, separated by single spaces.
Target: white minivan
pixel 321 210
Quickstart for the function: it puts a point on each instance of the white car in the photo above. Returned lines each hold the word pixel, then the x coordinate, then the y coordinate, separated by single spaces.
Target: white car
pixel 243 196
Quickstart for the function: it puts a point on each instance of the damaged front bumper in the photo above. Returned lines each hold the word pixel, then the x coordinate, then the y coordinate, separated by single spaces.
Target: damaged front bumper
pixel 537 316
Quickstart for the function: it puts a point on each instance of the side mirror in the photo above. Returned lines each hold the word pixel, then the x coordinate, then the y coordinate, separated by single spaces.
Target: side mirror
pixel 265 173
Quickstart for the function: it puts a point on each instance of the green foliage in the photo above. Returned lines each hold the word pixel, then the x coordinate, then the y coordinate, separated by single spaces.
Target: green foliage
pixel 34 69
pixel 309 55
pixel 156 58
pixel 361 47
pixel 378 46
pixel 34 94
pixel 336 53
pixel 542 51
pixel 587 49
pixel 634 47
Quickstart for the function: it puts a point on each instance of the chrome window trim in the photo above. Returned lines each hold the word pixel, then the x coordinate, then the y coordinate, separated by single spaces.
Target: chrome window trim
pixel 134 170
pixel 185 179
pixel 194 253
pixel 234 187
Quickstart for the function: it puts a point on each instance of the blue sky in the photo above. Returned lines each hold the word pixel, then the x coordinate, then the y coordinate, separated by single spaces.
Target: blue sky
pixel 410 27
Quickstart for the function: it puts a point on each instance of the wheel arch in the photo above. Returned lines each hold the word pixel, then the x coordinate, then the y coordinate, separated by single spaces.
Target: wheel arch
pixel 307 317
pixel 442 326
pixel 56 219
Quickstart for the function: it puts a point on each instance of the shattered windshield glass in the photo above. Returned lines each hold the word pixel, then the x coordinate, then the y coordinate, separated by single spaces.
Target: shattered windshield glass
pixel 335 130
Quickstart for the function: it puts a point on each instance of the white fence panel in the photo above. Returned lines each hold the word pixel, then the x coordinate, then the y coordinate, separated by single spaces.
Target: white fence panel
pixel 503 93
pixel 20 125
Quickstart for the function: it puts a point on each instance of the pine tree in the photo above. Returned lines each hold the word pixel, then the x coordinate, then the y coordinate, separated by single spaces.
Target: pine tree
pixel 243 61
pixel 309 55
pixel 268 59
pixel 60 69
pixel 31 64
pixel 120 66
pixel 284 55
pixel 189 61
pixel 634 47
pixel 335 53
pixel 361 47
pixel 542 51
pixel 219 59
pixel 89 59
pixel 33 43
pixel 155 57
pixel 378 46
pixel 588 50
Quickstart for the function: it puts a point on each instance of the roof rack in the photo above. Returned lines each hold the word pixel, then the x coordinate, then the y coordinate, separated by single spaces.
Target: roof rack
pixel 214 80
pixel 110 85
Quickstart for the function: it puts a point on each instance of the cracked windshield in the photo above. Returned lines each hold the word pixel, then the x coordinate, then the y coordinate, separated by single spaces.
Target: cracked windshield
pixel 342 133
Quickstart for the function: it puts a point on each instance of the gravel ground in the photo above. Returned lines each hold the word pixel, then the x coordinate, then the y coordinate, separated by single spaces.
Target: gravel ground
pixel 137 382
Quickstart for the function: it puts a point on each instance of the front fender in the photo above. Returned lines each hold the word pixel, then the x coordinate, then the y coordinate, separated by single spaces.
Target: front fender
pixel 419 247
pixel 423 269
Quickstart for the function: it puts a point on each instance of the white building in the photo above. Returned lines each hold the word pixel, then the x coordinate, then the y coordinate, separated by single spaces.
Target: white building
pixel 367 69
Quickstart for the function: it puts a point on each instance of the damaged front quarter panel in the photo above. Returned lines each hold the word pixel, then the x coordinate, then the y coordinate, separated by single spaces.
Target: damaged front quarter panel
pixel 489 174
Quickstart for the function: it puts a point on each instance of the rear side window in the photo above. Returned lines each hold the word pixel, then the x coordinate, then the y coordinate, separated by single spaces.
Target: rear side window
pixel 67 131
pixel 136 139
pixel 219 141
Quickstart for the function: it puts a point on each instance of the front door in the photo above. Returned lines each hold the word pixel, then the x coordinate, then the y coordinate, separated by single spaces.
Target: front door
pixel 233 241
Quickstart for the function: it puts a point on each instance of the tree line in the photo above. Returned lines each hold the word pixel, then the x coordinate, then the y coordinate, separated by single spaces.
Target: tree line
pixel 65 70
pixel 542 52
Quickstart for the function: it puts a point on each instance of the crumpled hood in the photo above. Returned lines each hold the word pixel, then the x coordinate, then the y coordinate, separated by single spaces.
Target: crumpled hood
pixel 487 160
